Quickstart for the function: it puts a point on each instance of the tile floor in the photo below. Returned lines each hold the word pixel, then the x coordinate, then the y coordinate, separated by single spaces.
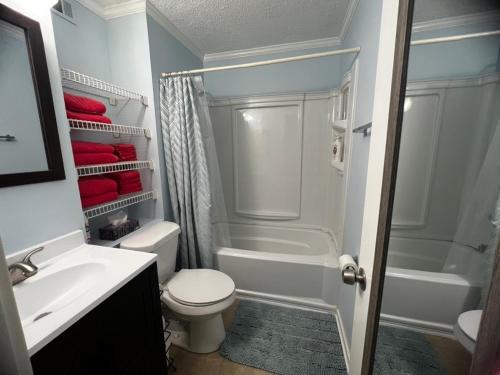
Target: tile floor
pixel 453 356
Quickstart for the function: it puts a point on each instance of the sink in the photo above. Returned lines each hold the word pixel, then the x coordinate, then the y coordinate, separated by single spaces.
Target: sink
pixel 52 289
pixel 73 278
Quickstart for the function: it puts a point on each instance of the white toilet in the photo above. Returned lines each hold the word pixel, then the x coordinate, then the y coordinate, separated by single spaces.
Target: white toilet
pixel 467 327
pixel 197 296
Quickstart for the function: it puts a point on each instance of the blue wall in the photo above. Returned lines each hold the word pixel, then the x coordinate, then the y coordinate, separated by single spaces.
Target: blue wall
pixel 83 45
pixel 167 54
pixel 454 59
pixel 34 213
pixel 300 76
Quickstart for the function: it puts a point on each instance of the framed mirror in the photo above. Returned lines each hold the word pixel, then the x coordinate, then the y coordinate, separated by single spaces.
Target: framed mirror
pixel 29 142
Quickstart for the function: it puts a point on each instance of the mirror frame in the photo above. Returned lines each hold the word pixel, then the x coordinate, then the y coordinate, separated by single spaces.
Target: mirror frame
pixel 45 104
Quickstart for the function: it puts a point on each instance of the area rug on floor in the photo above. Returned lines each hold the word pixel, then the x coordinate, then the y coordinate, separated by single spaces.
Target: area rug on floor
pixel 404 352
pixel 284 341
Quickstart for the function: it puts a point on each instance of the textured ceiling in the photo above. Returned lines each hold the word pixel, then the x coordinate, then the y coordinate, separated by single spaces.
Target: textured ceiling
pixel 228 25
pixel 225 25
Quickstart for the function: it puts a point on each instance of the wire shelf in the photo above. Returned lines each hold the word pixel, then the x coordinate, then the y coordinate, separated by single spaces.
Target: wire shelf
pixel 108 128
pixel 70 78
pixel 125 201
pixel 90 170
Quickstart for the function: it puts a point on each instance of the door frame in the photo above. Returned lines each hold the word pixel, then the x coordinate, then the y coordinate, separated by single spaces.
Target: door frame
pixel 488 342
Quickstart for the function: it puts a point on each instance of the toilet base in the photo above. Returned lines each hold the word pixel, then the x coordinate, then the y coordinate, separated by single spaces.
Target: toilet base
pixel 200 336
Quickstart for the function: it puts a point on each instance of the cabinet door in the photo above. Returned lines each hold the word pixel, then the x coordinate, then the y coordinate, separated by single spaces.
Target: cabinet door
pixel 121 336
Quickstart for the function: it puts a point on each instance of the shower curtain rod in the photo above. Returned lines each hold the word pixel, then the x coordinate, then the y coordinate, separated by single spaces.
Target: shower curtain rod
pixel 454 38
pixel 266 62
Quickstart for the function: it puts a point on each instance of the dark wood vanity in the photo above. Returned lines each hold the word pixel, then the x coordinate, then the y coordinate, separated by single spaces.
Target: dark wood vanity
pixel 122 336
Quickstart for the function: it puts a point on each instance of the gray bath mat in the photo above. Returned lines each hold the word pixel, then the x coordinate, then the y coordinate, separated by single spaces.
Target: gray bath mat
pixel 403 352
pixel 284 341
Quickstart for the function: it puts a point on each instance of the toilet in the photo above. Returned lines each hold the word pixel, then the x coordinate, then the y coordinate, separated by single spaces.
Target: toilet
pixel 467 327
pixel 196 296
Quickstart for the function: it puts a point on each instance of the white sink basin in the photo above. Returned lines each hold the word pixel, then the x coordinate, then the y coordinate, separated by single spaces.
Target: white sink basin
pixel 47 291
pixel 70 284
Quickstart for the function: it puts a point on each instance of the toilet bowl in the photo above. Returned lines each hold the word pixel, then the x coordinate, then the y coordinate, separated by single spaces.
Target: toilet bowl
pixel 467 327
pixel 200 296
pixel 197 296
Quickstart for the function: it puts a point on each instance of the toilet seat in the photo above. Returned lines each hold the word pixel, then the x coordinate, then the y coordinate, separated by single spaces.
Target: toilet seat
pixel 467 327
pixel 200 287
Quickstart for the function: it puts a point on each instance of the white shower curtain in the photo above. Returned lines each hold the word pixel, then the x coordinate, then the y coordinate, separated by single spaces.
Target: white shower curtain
pixel 187 169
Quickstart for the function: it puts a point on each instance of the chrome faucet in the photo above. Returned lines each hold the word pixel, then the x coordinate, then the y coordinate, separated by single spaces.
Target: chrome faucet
pixel 24 269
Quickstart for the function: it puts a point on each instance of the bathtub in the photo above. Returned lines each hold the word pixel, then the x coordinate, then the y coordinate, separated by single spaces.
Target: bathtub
pixel 417 294
pixel 288 264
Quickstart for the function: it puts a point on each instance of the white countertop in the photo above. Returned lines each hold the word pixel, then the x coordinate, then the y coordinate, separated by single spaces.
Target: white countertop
pixel 93 273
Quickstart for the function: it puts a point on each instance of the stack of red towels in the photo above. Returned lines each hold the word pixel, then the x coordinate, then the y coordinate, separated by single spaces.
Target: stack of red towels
pixel 125 151
pixel 129 181
pixel 88 153
pixel 85 109
pixel 100 189
pixel 96 190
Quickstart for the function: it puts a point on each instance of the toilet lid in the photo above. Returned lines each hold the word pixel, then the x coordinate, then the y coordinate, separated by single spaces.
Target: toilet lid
pixel 200 287
pixel 469 323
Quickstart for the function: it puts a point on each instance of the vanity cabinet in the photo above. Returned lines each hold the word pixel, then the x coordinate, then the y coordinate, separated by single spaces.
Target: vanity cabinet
pixel 122 336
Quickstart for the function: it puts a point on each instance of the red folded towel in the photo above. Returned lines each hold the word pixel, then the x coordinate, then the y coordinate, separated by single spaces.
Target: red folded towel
pixel 96 158
pixel 80 147
pixel 96 185
pixel 125 151
pixel 129 188
pixel 83 104
pixel 126 177
pixel 87 117
pixel 99 199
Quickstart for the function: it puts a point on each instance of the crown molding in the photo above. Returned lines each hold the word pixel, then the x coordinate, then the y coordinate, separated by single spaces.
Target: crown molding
pixel 172 29
pixel 276 48
pixel 449 22
pixel 124 9
pixel 351 9
pixel 94 7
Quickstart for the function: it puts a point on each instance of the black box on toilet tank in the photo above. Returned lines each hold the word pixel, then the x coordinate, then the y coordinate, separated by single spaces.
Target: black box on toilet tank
pixel 113 232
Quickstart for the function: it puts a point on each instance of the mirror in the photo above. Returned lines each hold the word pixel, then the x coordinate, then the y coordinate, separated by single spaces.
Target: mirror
pixel 29 141
pixel 445 225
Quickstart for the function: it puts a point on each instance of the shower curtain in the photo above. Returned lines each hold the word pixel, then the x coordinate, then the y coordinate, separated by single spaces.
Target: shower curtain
pixel 187 140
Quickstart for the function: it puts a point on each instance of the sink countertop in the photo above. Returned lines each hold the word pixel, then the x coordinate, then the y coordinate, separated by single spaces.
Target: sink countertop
pixel 94 272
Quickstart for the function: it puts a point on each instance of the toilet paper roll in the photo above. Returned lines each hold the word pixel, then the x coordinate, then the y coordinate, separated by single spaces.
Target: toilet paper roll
pixel 347 261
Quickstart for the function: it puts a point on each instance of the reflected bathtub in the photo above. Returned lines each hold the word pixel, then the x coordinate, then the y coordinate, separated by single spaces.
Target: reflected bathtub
pixel 417 294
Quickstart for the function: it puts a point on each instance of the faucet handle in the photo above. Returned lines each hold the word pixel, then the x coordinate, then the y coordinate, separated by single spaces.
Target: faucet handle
pixel 27 258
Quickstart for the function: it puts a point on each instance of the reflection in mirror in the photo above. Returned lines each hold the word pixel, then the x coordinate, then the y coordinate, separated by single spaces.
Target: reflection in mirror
pixel 21 141
pixel 446 213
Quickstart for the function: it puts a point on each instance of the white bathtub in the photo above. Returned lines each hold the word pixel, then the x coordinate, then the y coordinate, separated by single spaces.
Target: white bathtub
pixel 299 265
pixel 417 294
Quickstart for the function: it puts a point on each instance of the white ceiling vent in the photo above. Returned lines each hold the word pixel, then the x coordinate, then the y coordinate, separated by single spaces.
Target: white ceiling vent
pixel 64 8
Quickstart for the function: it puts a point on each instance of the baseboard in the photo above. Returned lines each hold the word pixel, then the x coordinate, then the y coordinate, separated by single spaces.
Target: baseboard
pixel 416 325
pixel 310 304
pixel 343 338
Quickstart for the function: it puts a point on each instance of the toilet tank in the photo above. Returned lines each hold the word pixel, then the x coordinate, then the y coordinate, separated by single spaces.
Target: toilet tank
pixel 160 238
